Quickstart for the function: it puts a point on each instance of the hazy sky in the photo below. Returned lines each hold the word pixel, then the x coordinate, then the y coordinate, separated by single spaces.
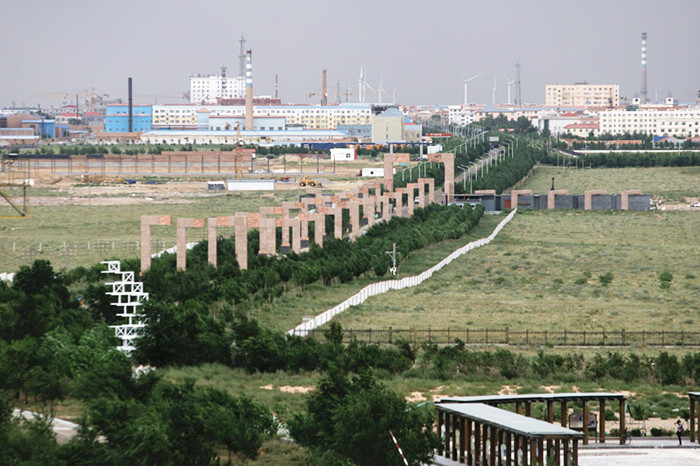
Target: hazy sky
pixel 71 45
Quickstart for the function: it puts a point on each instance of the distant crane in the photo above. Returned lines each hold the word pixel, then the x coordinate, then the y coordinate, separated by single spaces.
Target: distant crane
pixel 466 81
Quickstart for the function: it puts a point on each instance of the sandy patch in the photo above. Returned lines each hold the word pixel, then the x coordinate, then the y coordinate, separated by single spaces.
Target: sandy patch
pixel 414 397
pixel 267 387
pixel 509 390
pixel 297 389
pixel 550 388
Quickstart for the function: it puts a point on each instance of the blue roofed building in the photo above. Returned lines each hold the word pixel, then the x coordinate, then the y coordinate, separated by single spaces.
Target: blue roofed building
pixel 117 118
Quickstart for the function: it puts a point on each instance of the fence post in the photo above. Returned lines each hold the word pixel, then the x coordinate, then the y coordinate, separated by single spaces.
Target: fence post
pixel 448 336
pixel 527 336
pixel 584 338
pixel 506 336
pixel 623 337
pixel 430 338
pixel 390 330
pixel 370 335
pixel 487 336
pixel 546 339
pixel 564 337
pixel 682 338
pixel 467 335
pixel 663 338
pixel 643 337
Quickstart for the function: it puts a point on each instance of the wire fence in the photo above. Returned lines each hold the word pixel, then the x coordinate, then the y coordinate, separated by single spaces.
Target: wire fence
pixel 507 337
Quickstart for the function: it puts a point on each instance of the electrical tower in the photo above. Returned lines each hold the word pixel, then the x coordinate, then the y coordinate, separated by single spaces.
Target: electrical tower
pixel 518 94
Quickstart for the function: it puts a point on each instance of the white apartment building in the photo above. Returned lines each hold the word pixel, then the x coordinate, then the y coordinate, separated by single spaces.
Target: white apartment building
pixel 308 116
pixel 657 121
pixel 206 89
pixel 460 116
pixel 582 95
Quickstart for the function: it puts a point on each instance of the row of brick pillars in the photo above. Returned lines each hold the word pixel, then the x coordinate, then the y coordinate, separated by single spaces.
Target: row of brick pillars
pixel 377 199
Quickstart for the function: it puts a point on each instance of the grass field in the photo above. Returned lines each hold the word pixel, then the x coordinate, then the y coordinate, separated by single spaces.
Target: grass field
pixel 73 235
pixel 543 272
pixel 672 184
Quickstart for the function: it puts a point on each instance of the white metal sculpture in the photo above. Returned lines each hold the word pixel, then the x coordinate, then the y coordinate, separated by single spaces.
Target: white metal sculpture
pixel 130 297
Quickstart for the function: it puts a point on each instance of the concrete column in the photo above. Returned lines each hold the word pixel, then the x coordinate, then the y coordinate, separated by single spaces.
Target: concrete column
pixel 146 222
pixel 551 197
pixel 588 197
pixel 389 161
pixel 240 223
pixel 182 225
pixel 386 208
pixel 625 198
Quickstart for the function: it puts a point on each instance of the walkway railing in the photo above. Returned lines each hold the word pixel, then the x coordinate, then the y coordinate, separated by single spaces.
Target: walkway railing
pixel 382 287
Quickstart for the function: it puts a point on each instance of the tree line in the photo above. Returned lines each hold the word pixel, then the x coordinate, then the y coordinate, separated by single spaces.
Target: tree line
pixel 626 159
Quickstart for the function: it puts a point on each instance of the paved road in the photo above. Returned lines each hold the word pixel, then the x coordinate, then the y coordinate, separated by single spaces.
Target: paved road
pixel 65 430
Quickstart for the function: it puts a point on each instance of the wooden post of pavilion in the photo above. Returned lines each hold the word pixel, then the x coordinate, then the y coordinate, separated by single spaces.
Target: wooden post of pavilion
pixel 692 419
pixel 622 421
pixel 601 435
pixel 585 422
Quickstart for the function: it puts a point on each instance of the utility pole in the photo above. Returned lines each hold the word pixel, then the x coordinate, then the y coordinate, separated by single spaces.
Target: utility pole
pixel 392 254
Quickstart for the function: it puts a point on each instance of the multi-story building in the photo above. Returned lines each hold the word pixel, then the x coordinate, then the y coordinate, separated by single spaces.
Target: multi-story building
pixel 208 88
pixel 654 120
pixel 582 94
pixel 305 116
pixel 460 115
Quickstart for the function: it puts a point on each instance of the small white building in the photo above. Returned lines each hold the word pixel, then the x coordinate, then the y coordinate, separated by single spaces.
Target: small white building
pixel 250 185
pixel 373 172
pixel 342 154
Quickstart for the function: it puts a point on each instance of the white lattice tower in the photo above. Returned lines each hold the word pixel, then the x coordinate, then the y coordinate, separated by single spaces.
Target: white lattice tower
pixel 130 296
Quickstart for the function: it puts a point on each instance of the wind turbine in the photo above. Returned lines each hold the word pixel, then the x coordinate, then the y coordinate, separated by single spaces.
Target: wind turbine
pixel 360 86
pixel 510 83
pixel 465 81
pixel 493 95
pixel 393 98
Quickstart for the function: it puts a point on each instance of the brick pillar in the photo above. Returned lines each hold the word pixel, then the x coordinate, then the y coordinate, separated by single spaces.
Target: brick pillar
pixel 319 227
pixel 410 190
pixel 146 222
pixel 182 225
pixel 588 196
pixel 449 161
pixel 296 235
pixel 398 197
pixel 551 197
pixel 268 236
pixel 354 207
pixel 240 223
pixel 514 197
pixel 421 194
pixel 213 223
pixel 625 198
pixel 337 214
pixel 389 161
pixel 386 208
pixel 431 189
pixel 368 209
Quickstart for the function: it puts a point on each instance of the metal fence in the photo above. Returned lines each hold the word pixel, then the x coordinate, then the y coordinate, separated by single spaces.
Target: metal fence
pixel 519 338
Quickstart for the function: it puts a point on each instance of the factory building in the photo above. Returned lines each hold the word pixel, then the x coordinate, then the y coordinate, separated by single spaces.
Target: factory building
pixel 117 118
pixel 582 94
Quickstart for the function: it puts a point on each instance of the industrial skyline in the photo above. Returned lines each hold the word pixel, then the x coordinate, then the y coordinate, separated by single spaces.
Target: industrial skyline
pixel 413 51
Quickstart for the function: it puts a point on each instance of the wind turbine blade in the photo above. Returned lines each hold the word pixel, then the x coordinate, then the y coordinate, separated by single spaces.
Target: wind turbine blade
pixel 474 77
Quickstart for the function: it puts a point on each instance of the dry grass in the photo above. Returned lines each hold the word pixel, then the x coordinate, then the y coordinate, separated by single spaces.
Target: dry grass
pixel 673 184
pixel 543 272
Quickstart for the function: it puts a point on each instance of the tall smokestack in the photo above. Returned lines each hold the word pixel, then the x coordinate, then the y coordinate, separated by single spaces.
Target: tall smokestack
pixel 644 68
pixel 131 108
pixel 249 90
pixel 324 90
